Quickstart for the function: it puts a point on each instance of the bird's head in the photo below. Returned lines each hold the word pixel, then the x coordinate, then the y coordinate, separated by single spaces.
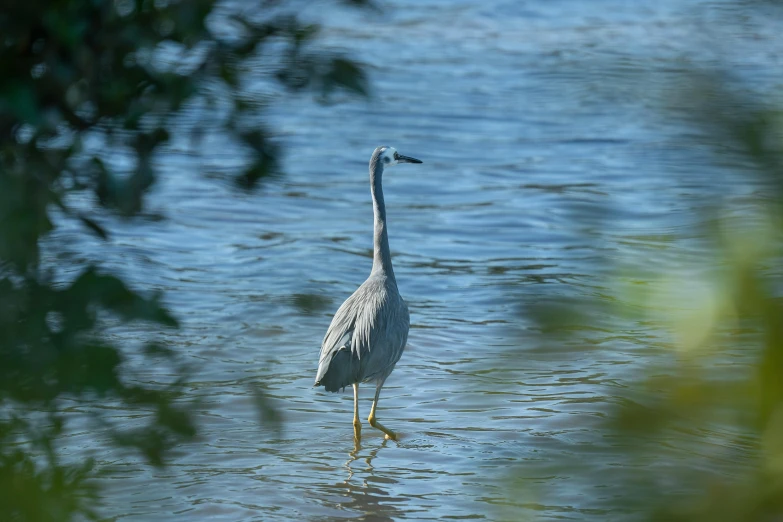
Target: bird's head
pixel 388 156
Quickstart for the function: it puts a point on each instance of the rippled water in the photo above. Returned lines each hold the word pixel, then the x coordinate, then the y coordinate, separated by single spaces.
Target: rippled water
pixel 525 120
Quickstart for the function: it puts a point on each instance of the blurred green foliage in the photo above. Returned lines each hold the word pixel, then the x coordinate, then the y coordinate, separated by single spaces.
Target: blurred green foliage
pixel 738 310
pixel 721 387
pixel 119 72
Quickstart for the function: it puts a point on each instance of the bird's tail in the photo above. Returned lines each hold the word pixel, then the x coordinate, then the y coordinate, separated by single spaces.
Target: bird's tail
pixel 338 372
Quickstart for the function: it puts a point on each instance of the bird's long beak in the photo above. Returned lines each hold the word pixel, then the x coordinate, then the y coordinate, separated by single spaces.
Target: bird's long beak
pixel 407 159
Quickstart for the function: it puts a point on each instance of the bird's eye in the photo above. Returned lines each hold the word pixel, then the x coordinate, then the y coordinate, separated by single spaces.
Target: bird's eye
pixel 386 159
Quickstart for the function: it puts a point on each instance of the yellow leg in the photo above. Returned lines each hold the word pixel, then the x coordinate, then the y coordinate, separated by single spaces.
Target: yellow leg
pixel 357 425
pixel 373 422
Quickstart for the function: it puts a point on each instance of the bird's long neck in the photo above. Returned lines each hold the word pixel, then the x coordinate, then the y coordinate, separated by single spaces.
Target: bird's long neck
pixel 381 257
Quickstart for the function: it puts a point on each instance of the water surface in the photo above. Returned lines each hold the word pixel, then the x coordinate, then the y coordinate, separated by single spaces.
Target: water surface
pixel 527 124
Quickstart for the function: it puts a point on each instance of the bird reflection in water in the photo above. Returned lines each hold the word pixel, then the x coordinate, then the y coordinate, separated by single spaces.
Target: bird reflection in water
pixel 361 492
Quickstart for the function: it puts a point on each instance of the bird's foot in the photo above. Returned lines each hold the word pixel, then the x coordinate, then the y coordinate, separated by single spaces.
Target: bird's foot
pixel 388 434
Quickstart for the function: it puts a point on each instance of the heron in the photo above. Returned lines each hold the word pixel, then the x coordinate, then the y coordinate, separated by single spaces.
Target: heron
pixel 368 333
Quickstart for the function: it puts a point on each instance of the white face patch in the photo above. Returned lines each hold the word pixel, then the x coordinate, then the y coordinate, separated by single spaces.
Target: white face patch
pixel 387 157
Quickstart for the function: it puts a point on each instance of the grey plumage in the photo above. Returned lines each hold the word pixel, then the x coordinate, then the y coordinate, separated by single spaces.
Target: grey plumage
pixel 368 333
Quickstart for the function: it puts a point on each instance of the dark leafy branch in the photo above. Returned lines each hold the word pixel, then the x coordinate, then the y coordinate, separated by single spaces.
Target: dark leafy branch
pixel 120 72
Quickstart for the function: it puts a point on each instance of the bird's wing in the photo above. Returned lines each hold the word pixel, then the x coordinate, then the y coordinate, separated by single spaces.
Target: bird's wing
pixel 380 334
pixel 339 335
pixel 372 327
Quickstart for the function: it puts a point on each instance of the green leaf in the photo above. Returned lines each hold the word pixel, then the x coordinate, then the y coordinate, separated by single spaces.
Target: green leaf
pixel 347 75
pixel 269 415
pixel 112 293
pixel 18 99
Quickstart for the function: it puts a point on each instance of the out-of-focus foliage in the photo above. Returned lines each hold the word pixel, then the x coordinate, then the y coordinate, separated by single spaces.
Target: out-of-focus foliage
pixel 726 329
pixel 738 309
pixel 116 73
